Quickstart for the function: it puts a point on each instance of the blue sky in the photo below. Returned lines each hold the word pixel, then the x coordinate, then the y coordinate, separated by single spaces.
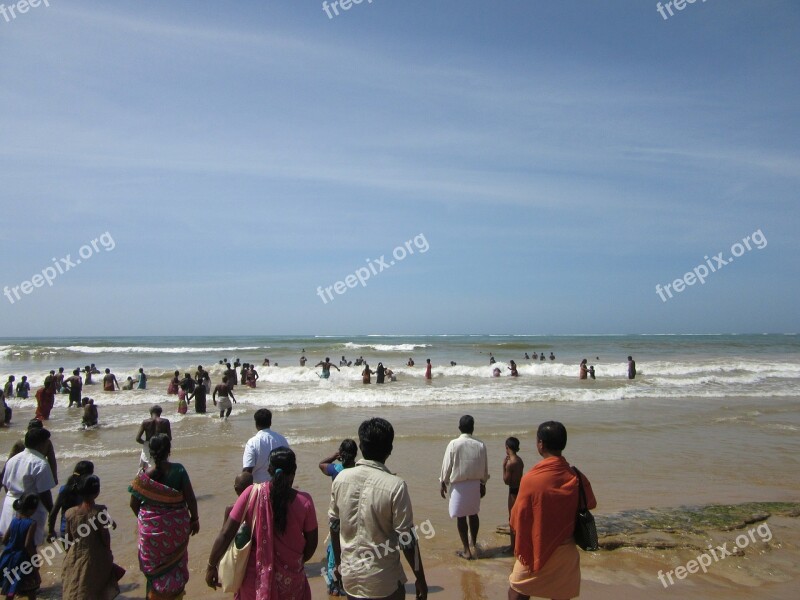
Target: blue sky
pixel 559 158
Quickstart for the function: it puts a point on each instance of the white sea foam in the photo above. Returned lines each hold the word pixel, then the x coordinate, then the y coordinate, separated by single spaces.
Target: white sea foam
pixel 386 347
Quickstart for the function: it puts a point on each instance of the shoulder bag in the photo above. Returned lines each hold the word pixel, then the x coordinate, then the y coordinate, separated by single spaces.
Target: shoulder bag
pixel 585 529
pixel 233 565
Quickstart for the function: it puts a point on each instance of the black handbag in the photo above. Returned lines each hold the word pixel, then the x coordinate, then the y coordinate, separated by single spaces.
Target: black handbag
pixel 585 529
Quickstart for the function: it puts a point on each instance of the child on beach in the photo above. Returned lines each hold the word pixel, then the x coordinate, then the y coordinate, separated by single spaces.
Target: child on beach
pixel 89 570
pixel 513 468
pixel 19 548
pixel 346 457
pixel 67 498
pixel 243 481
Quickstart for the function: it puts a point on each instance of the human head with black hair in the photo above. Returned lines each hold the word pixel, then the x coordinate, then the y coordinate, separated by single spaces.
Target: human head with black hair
pixel 26 504
pixel 160 448
pixel 263 418
pixel 282 467
pixel 155 410
pixel 551 438
pixel 36 439
pixel 348 450
pixel 35 424
pixel 466 424
pixel 376 439
pixel 89 488
pixel 512 444
pixel 81 470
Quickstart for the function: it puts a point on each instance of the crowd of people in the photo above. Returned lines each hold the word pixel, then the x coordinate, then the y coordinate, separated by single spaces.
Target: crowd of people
pixel 197 388
pixel 370 508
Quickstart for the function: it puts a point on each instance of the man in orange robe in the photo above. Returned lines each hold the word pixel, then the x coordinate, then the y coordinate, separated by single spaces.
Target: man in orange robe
pixel 543 518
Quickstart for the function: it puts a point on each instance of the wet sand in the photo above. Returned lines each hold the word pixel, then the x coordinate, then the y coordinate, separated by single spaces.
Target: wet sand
pixel 637 455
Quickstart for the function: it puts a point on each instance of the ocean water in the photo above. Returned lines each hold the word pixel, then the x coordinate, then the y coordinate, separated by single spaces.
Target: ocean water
pixel 690 367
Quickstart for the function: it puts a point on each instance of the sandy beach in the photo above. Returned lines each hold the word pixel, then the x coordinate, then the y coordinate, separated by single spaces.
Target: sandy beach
pixel 662 455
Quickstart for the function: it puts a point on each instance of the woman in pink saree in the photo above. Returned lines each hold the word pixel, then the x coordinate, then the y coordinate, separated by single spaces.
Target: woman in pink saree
pixel 285 536
pixel 164 503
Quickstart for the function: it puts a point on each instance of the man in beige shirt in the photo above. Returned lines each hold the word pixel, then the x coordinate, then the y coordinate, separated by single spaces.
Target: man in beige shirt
pixel 372 523
pixel 465 469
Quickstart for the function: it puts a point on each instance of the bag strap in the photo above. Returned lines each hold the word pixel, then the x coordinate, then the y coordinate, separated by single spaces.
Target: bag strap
pixel 581 492
pixel 251 500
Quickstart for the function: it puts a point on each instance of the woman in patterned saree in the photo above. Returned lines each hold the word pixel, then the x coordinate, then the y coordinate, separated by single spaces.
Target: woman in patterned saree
pixel 164 503
pixel 285 535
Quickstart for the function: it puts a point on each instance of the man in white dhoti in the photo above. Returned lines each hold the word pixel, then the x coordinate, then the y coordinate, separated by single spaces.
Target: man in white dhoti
pixel 465 469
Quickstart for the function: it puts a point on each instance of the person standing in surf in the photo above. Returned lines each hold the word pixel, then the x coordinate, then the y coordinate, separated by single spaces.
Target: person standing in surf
pixel 225 405
pixel 326 367
pixel 631 368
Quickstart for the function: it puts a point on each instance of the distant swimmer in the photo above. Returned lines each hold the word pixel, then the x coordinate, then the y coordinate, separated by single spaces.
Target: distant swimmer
pixel 496 372
pixel 225 405
pixel 631 368
pixel 410 362
pixel 149 428
pixel 542 357
pixel 90 416
pixel 428 368
pixel 202 377
pixel 8 390
pixel 390 374
pixel 60 381
pixel 491 359
pixel 199 395
pixel 326 367
pixel 141 382
pixel 174 384
pixel 23 387
pixel 245 371
pixel 303 360
pixel 128 385
pixel 535 356
pixel 343 362
pixel 87 380
pixel 231 373
pixel 110 381
pixel 584 371
pixel 527 357
pixel 265 363
pixel 380 373
pixel 452 363
pixel 513 368
pixel 365 374
pixel 74 385
pixel 552 356
pixel 591 372
pixel 252 377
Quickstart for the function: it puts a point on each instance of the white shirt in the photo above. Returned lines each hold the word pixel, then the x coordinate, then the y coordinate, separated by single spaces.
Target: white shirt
pixel 464 460
pixel 27 472
pixel 256 453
